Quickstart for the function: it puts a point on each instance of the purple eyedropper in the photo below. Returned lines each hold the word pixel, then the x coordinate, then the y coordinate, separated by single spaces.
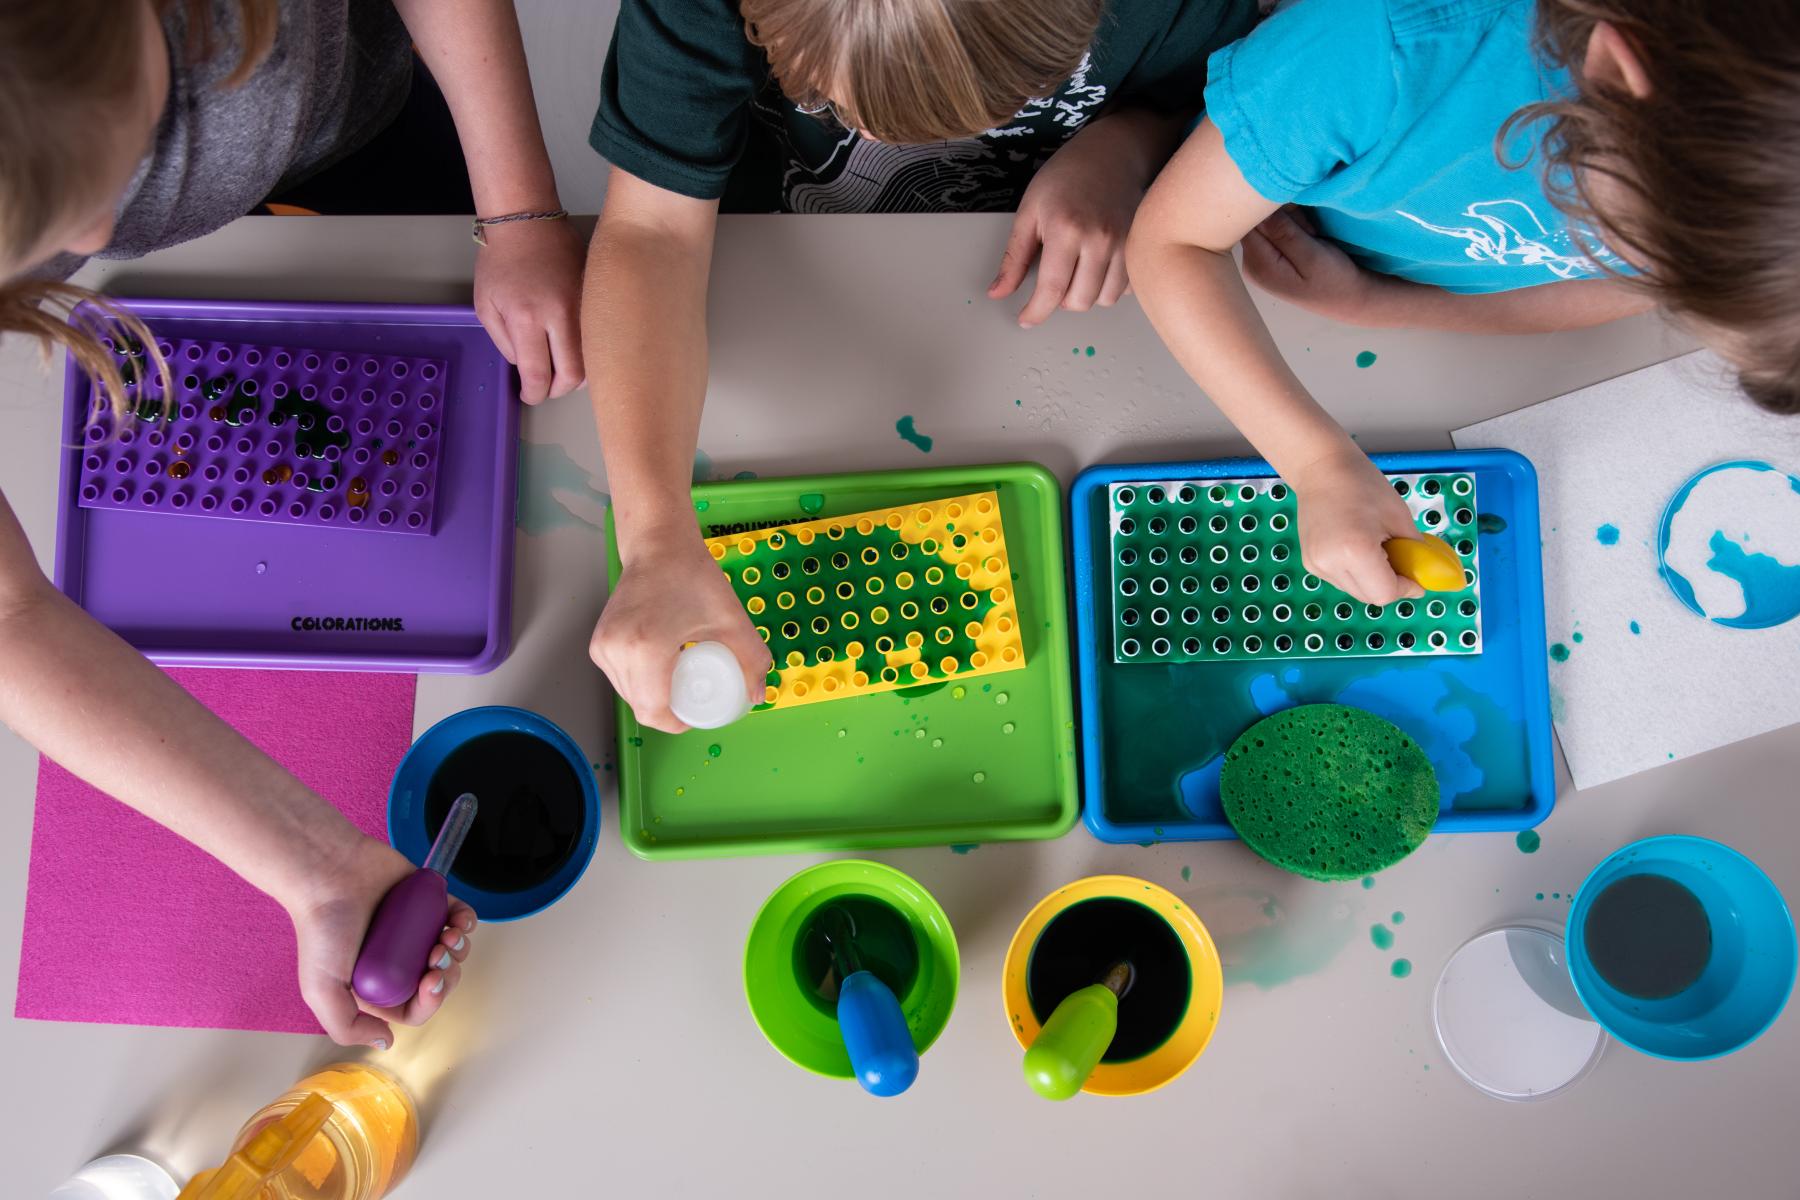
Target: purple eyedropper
pixel 410 918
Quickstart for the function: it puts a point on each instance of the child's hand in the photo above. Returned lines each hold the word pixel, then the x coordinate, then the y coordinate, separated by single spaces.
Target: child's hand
pixel 1285 257
pixel 329 927
pixel 1077 210
pixel 1347 511
pixel 528 295
pixel 663 601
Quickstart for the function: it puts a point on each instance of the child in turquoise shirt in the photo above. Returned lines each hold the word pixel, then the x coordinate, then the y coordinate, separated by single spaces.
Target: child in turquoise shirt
pixel 1402 130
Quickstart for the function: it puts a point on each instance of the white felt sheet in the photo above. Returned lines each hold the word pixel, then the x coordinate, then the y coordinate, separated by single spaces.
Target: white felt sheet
pixel 1613 455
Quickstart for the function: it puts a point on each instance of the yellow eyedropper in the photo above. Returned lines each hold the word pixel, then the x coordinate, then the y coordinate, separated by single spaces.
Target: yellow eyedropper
pixel 271 1151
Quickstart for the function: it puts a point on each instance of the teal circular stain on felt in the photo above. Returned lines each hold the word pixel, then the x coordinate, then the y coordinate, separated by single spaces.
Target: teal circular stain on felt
pixel 1328 791
pixel 1366 359
pixel 1728 545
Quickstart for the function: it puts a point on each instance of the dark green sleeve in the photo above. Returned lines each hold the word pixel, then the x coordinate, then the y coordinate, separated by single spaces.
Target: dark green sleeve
pixel 1170 75
pixel 675 94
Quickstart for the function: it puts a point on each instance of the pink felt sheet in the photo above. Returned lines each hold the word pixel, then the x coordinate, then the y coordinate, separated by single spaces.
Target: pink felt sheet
pixel 125 923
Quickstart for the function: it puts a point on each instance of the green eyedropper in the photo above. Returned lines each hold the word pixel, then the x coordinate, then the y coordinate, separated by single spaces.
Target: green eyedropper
pixel 1072 1041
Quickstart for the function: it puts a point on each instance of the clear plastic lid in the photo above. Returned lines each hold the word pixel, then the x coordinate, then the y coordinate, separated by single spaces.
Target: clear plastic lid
pixel 1508 1018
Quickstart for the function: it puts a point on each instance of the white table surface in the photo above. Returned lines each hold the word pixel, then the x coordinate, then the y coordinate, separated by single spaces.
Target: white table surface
pixel 604 1047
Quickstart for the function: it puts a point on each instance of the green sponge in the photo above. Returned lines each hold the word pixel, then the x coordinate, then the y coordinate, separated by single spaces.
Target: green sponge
pixel 1329 792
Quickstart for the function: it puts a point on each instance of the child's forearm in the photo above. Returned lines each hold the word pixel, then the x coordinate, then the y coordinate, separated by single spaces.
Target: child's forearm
pixel 83 697
pixel 1199 305
pixel 477 56
pixel 1139 139
pixel 1548 308
pixel 643 329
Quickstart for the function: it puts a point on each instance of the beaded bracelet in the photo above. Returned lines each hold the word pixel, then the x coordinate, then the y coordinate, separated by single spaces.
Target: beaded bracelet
pixel 479 233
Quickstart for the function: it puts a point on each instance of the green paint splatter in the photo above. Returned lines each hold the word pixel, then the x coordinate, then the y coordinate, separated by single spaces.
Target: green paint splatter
pixel 1576 637
pixel 1366 359
pixel 1556 895
pixel 1398 918
pixel 1401 969
pixel 1528 841
pixel 635 741
pixel 714 750
pixel 1557 705
pixel 702 505
pixel 1187 873
pixel 1368 882
pixel 555 491
pixel 964 847
pixel 1382 936
pixel 1264 943
pixel 741 475
pixel 702 466
pixel 811 503
pixel 1090 352
pixel 904 427
pixel 1490 523
pixel 1540 895
pixel 1559 652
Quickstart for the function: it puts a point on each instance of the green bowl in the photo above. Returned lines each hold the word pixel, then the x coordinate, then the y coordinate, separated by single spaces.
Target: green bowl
pixel 783 1005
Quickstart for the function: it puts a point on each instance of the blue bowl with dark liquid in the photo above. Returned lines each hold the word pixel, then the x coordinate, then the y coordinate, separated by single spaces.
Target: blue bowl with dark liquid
pixel 1699 938
pixel 537 819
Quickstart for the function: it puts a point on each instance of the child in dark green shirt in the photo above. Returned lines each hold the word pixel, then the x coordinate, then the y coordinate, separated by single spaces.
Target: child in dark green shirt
pixel 1061 109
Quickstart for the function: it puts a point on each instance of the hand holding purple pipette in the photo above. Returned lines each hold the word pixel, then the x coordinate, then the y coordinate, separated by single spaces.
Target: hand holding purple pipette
pixel 410 918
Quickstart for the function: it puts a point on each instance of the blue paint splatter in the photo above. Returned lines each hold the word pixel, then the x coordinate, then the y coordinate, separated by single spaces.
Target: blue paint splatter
pixel 555 491
pixel 1635 628
pixel 904 427
pixel 1607 535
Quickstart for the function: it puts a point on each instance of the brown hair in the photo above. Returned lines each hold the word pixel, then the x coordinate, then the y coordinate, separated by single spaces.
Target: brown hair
pixel 1708 164
pixel 66 67
pixel 911 71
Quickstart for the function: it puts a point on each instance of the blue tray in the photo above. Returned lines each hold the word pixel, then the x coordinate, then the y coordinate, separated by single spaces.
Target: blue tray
pixel 1153 736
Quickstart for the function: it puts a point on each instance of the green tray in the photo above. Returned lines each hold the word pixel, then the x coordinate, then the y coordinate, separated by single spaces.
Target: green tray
pixel 927 765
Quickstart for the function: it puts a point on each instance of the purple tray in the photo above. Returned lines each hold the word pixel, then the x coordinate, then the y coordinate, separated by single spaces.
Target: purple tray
pixel 272 433
pixel 199 591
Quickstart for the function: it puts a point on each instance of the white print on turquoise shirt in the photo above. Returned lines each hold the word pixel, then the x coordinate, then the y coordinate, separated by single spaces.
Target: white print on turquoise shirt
pixel 1509 233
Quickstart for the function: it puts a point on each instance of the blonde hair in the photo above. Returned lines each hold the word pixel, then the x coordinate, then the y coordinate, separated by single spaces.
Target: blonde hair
pixel 66 68
pixel 912 71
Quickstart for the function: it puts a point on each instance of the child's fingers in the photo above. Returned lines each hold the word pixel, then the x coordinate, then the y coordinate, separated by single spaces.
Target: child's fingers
pixel 1056 268
pixel 1264 264
pixel 568 373
pixel 533 364
pixel 461 916
pixel 339 1016
pixel 1373 579
pixel 1089 278
pixel 1021 249
pixel 495 324
pixel 455 942
pixel 1118 281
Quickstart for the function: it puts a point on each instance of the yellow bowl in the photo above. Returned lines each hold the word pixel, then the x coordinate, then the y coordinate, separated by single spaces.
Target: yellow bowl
pixel 1195 1029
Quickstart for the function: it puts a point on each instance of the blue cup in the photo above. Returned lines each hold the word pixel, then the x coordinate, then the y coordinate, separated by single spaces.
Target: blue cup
pixel 1745 983
pixel 407 831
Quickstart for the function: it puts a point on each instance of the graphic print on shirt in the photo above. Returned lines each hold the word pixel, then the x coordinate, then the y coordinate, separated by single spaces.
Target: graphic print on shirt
pixel 1510 233
pixel 978 174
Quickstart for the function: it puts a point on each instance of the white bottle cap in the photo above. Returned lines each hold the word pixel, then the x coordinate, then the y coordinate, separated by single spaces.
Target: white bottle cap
pixel 708 689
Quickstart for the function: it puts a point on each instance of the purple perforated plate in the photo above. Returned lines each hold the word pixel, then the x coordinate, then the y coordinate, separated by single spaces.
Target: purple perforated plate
pixel 189 589
pixel 271 433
